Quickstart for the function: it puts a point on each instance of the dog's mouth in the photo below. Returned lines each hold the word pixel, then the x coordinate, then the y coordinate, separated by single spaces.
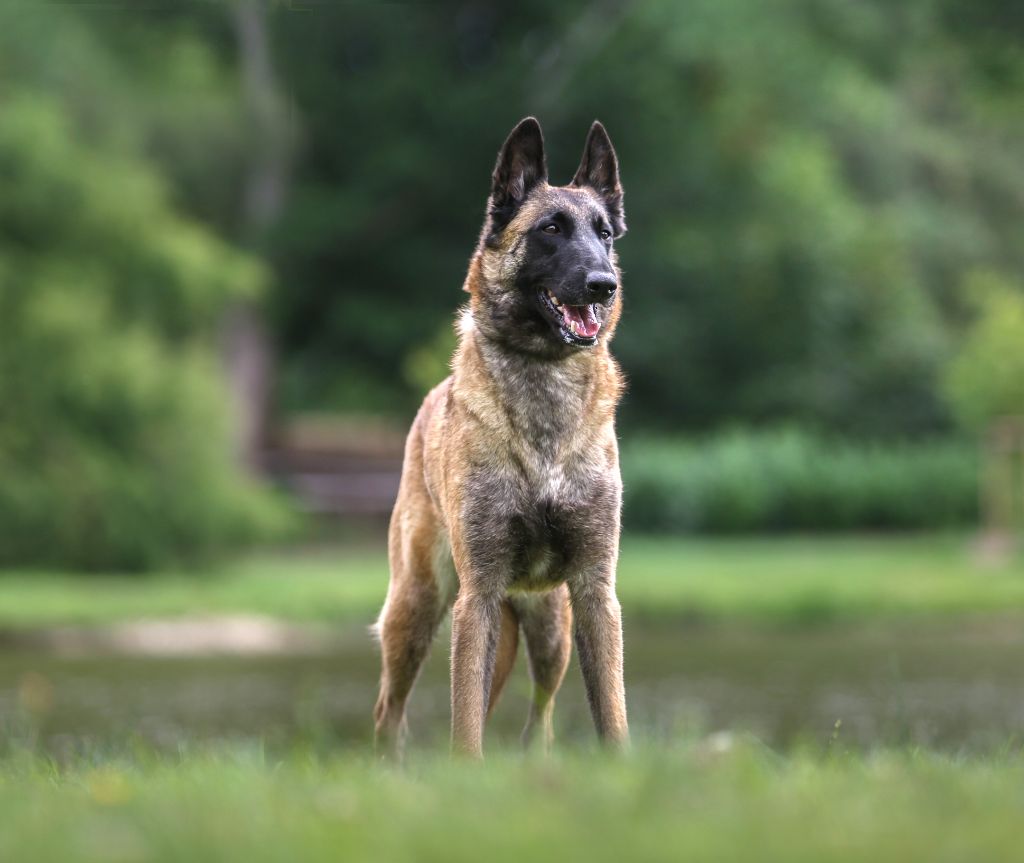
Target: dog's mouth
pixel 577 325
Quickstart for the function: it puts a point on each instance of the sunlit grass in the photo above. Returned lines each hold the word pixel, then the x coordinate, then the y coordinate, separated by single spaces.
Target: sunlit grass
pixel 778 579
pixel 689 802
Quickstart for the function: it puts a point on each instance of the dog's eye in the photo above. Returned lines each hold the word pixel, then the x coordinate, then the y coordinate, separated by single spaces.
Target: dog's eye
pixel 552 229
pixel 606 234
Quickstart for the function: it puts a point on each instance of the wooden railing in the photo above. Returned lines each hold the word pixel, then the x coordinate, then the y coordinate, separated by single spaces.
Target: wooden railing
pixel 335 466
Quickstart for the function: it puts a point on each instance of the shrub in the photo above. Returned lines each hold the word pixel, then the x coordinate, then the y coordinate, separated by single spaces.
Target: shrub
pixel 985 380
pixel 113 443
pixel 791 479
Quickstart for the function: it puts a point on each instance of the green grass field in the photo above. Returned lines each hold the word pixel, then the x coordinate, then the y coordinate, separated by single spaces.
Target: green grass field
pixel 790 579
pixel 688 803
pixel 678 801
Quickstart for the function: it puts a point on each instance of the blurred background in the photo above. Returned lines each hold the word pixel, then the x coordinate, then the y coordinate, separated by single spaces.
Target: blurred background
pixel 232 242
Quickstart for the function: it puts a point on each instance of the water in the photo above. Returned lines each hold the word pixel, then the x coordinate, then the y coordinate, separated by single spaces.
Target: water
pixel 953 685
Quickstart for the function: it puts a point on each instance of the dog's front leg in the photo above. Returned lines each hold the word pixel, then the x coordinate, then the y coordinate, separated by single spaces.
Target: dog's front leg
pixel 598 632
pixel 476 621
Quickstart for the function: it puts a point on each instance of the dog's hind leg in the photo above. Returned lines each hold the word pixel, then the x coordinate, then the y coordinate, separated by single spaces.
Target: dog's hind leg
pixel 419 596
pixel 546 620
pixel 505 657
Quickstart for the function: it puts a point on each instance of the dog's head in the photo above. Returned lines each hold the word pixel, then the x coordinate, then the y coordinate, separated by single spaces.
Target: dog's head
pixel 544 279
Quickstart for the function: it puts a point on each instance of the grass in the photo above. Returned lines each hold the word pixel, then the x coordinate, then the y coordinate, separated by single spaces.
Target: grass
pixel 688 802
pixel 790 579
pixel 715 799
pixel 815 578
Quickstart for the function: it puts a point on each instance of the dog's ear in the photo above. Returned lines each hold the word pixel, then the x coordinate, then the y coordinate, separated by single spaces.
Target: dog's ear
pixel 599 169
pixel 519 168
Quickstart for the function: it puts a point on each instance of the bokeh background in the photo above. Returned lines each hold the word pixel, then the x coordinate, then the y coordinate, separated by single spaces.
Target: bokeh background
pixel 233 236
pixel 232 242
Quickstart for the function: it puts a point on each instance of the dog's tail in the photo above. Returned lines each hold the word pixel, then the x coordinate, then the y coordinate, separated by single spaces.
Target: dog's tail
pixel 375 628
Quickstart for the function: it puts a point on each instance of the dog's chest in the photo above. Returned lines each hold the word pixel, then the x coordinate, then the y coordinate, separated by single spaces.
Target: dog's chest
pixel 546 483
pixel 547 522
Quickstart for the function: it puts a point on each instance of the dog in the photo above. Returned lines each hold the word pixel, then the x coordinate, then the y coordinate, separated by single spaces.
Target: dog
pixel 508 510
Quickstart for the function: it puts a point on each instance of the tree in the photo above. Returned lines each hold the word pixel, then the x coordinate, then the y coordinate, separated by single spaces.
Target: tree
pixel 985 385
pixel 985 379
pixel 807 181
pixel 113 441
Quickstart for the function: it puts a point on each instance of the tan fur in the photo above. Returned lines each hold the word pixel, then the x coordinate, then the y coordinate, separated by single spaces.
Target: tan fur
pixel 479 450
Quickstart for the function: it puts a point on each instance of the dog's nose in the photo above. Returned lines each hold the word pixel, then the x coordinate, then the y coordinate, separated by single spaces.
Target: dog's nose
pixel 601 285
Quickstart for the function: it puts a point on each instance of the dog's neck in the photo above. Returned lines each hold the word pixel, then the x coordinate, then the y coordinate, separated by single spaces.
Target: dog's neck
pixel 546 401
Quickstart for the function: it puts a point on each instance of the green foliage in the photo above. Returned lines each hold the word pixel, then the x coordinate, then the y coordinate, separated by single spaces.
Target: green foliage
pixel 113 444
pixel 985 380
pixel 809 184
pixel 808 181
pixel 430 363
pixel 806 184
pixel 794 480
pixel 170 91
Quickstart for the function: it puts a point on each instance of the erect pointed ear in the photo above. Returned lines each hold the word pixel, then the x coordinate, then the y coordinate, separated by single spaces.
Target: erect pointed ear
pixel 519 168
pixel 599 169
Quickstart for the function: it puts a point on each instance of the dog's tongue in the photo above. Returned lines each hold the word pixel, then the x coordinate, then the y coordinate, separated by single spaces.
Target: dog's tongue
pixel 586 323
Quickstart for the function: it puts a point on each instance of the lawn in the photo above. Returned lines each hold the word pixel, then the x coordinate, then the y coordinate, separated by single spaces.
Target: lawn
pixel 691 802
pixel 720 798
pixel 787 579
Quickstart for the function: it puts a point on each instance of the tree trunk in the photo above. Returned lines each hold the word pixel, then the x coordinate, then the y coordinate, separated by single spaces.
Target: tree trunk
pixel 247 343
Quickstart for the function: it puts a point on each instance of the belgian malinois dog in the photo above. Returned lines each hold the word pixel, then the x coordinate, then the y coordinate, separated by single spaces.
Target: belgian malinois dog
pixel 510 493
